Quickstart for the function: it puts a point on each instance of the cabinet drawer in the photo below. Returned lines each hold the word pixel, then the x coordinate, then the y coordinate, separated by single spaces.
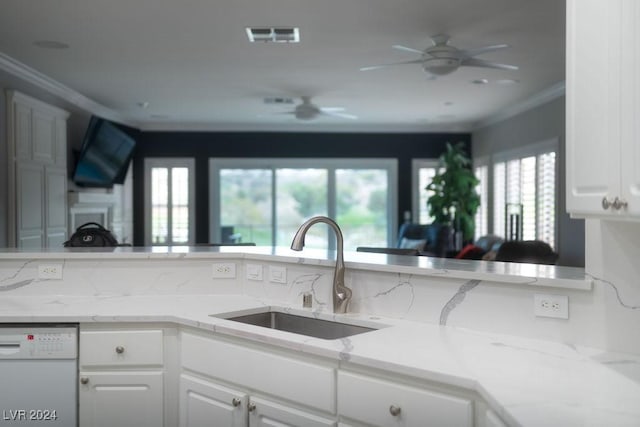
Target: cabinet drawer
pixel 121 348
pixel 288 378
pixel 373 401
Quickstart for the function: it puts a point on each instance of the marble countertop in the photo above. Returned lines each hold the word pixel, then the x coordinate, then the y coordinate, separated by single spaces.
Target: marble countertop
pixel 527 382
pixel 504 272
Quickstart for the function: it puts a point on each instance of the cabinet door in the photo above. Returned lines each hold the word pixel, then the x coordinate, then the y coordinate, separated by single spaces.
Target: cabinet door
pixel 630 145
pixel 593 104
pixel 30 205
pixel 205 404
pixel 56 203
pixel 43 136
pixel 379 402
pixel 123 399
pixel 264 413
pixel 22 132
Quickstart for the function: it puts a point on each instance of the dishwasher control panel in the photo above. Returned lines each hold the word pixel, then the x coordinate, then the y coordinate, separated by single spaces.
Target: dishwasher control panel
pixel 38 343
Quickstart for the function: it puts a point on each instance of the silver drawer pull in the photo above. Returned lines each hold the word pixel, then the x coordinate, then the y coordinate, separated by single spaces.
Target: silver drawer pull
pixel 252 407
pixel 606 204
pixel 394 410
pixel 119 349
pixel 236 402
pixel 84 380
pixel 619 203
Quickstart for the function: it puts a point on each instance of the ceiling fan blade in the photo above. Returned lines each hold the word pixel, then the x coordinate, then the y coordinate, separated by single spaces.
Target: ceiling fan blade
pixel 375 67
pixel 472 62
pixel 407 49
pixel 338 114
pixel 332 109
pixel 485 49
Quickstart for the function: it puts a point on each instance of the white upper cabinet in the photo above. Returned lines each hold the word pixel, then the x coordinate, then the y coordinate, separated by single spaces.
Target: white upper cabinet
pixel 603 103
pixel 37 154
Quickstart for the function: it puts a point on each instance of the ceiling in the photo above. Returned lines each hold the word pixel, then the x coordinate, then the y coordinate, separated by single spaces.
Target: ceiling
pixel 192 62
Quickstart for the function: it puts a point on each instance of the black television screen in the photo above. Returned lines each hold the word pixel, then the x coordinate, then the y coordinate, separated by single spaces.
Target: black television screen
pixel 105 155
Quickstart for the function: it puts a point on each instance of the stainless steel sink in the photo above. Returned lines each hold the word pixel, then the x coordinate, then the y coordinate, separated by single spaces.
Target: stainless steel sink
pixel 302 325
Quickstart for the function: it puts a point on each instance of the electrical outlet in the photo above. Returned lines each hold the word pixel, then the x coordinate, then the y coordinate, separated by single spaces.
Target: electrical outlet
pixel 545 305
pixel 254 272
pixel 278 274
pixel 50 271
pixel 224 270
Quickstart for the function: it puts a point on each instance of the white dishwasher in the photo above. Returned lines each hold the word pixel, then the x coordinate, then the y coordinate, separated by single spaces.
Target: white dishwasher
pixel 38 375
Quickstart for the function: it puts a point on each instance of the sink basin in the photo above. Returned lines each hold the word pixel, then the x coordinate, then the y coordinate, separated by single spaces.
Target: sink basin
pixel 309 326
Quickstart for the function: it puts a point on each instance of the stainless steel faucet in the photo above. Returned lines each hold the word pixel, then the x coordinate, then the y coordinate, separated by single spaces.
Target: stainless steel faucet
pixel 341 294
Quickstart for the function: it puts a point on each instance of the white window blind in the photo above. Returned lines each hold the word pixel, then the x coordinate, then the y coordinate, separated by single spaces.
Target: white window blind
pixel 169 201
pixel 524 187
pixel 482 214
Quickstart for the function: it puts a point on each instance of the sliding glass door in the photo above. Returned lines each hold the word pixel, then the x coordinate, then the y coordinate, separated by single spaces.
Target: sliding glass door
pixel 264 201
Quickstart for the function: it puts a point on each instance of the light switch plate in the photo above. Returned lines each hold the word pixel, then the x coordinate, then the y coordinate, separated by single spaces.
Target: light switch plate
pixel 254 272
pixel 277 274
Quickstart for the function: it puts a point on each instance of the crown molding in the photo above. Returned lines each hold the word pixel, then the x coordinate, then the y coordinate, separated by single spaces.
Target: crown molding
pixel 36 78
pixel 541 98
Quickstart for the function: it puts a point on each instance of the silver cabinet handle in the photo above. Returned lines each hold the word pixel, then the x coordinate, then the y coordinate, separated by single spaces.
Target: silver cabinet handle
pixel 251 407
pixel 606 204
pixel 394 410
pixel 236 402
pixel 84 380
pixel 619 203
pixel 119 349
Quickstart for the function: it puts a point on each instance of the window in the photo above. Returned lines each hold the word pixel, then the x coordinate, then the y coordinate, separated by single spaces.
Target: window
pixel 481 172
pixel 169 203
pixel 423 172
pixel 524 196
pixel 265 201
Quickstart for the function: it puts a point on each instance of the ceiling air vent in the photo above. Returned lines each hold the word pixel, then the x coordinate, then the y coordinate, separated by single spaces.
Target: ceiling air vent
pixel 278 101
pixel 273 34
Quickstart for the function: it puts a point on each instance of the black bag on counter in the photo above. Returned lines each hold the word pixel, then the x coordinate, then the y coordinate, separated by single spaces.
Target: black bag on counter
pixel 91 235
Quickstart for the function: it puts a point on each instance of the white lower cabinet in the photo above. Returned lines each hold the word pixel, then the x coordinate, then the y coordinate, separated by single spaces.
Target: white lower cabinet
pixel 227 383
pixel 374 401
pixel 264 413
pixel 204 403
pixel 121 399
pixel 121 378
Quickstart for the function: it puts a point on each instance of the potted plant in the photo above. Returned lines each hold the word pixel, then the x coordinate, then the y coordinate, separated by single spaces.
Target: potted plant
pixel 454 200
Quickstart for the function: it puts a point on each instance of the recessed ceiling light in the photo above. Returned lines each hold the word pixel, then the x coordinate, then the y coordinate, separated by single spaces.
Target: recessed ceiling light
pixel 273 34
pixel 480 81
pixel 51 44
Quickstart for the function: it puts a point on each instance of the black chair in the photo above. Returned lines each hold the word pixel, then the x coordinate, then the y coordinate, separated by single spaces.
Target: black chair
pixel 531 251
pixel 429 239
pixel 389 251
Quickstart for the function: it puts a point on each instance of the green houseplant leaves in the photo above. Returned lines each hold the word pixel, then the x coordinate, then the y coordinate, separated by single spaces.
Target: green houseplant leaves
pixel 454 200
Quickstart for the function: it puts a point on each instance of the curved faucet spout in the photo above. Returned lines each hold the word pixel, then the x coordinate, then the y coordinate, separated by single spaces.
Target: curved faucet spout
pixel 341 294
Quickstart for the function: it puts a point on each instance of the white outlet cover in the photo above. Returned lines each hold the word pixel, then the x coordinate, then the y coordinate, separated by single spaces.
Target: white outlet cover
pixel 50 271
pixel 224 270
pixel 548 305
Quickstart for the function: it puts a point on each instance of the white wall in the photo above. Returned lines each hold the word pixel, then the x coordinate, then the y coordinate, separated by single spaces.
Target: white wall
pixel 538 124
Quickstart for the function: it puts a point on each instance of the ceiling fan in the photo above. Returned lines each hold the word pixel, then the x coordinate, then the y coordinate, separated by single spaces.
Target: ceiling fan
pixel 442 59
pixel 309 111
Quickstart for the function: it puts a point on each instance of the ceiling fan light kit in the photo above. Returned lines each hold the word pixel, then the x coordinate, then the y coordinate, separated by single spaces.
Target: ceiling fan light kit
pixel 308 111
pixel 441 58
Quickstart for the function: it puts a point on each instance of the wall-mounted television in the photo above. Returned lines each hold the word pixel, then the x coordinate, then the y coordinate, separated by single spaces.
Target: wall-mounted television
pixel 105 155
